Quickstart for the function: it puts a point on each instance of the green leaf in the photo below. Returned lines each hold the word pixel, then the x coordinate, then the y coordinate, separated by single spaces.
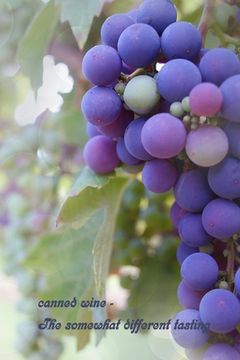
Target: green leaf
pixel 33 46
pixel 80 14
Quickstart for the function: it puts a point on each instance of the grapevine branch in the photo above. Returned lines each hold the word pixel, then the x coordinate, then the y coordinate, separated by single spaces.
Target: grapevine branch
pixel 206 18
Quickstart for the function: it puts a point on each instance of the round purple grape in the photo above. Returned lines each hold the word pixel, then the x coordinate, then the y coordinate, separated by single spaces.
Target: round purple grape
pixel 205 99
pixel 124 155
pixel 221 351
pixel 183 251
pixel 231 99
pixel 112 28
pixel 176 214
pixel 191 231
pixel 117 128
pixel 187 297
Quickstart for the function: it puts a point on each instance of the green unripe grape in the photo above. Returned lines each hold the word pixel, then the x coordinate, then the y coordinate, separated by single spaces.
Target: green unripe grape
pixel 176 109
pixel 119 88
pixel 186 104
pixel 141 94
pixel 226 16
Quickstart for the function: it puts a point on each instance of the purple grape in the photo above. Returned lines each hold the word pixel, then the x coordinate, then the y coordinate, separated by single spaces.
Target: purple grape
pixel 181 40
pixel 117 128
pixel 221 218
pixel 189 337
pixel 221 352
pixel 163 136
pixel 220 308
pixel 139 45
pixel 183 251
pixel 218 65
pixel 92 130
pixel 200 271
pixel 187 297
pixel 191 231
pixel 176 214
pixel 133 14
pixel 157 13
pixel 224 178
pixel 232 130
pixel 177 78
pixel 231 99
pixel 237 281
pixel 205 99
pixel 133 142
pixel 101 106
pixel 124 155
pixel 101 65
pixel 112 28
pixel 159 175
pixel 192 191
pixel 100 154
pixel 126 69
pixel 207 146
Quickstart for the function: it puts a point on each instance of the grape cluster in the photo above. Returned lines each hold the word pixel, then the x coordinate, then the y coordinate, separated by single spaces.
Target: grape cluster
pixel 163 103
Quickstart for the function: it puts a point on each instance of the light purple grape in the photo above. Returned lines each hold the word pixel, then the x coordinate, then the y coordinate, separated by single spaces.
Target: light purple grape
pixel 192 191
pixel 133 141
pixel 205 99
pixel 159 176
pixel 224 178
pixel 112 28
pixel 157 13
pixel 220 308
pixel 221 351
pixel 117 128
pixel 181 40
pixel 100 154
pixel 190 338
pixel 101 65
pixel 101 106
pixel 218 65
pixel 207 146
pixel 237 281
pixel 183 251
pixel 139 45
pixel 231 99
pixel 124 155
pixel 232 130
pixel 176 214
pixel 191 231
pixel 189 298
pixel 200 271
pixel 163 136
pixel 177 78
pixel 92 130
pixel 221 218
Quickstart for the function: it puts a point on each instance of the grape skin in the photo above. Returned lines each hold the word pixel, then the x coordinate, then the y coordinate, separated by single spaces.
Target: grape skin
pixel 221 352
pixel 100 154
pixel 101 106
pixel 205 99
pixel 221 218
pixel 187 297
pixel 117 128
pixel 176 214
pixel 112 28
pixel 181 40
pixel 221 309
pixel 124 155
pixel 141 94
pixel 139 45
pixel 163 136
pixel 232 130
pixel 191 338
pixel 191 231
pixel 231 99
pixel 133 142
pixel 224 178
pixel 219 64
pixel 183 251
pixel 207 146
pixel 157 13
pixel 101 65
pixel 159 175
pixel 192 191
pixel 177 78
pixel 92 130
pixel 199 271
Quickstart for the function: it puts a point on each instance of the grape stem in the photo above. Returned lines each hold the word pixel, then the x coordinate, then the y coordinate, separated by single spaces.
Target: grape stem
pixel 230 262
pixel 135 73
pixel 224 38
pixel 206 19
